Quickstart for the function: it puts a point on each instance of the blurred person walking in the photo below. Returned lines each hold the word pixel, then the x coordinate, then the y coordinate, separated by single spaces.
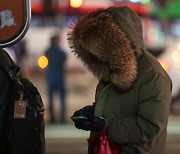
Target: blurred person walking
pixel 133 97
pixel 55 77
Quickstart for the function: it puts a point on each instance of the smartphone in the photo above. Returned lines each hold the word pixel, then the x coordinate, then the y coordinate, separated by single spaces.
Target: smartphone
pixel 78 117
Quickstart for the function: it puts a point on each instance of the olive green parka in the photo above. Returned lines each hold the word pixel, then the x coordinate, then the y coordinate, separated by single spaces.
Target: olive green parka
pixel 134 92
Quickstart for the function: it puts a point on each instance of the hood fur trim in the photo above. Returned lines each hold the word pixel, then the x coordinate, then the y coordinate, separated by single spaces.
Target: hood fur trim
pixel 104 48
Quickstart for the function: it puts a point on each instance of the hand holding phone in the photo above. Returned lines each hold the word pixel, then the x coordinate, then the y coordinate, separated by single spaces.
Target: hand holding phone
pixel 78 118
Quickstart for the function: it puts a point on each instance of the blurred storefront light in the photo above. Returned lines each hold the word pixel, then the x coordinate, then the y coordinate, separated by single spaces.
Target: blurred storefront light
pixel 145 1
pixel 156 36
pixel 176 57
pixel 43 62
pixel 178 46
pixel 76 3
pixel 164 64
pixel 140 1
pixel 176 54
pixel 119 0
pixel 171 11
pixel 135 1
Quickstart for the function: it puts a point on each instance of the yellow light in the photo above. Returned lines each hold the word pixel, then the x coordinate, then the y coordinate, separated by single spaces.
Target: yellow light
pixel 164 64
pixel 176 57
pixel 179 46
pixel 76 3
pixel 43 62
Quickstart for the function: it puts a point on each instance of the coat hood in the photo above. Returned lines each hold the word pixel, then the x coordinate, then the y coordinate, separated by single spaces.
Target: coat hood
pixel 109 42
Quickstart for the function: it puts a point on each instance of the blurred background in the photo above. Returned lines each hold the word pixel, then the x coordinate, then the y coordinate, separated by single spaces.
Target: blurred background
pixel 161 30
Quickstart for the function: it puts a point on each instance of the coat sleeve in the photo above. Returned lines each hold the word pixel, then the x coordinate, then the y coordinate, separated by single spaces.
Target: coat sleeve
pixel 152 112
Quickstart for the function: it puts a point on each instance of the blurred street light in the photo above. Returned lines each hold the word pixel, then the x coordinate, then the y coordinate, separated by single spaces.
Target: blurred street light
pixel 43 62
pixel 76 3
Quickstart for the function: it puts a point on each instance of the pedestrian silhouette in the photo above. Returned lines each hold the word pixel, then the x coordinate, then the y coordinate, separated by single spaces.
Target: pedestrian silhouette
pixel 55 77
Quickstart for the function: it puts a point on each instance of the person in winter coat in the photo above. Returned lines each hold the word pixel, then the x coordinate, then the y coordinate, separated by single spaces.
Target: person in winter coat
pixel 134 92
pixel 5 86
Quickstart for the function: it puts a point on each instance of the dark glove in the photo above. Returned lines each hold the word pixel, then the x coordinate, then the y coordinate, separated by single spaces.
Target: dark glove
pixel 93 123
pixel 89 108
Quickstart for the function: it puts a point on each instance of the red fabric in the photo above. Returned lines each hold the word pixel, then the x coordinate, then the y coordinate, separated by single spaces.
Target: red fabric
pixel 101 145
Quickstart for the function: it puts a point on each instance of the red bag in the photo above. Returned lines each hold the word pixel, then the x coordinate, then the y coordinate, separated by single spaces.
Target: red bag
pixel 101 145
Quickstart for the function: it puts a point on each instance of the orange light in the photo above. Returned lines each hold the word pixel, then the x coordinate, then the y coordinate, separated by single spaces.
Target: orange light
pixel 164 64
pixel 76 3
pixel 43 62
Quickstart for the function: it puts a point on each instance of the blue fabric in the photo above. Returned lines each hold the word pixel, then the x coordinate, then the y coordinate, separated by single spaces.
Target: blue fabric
pixel 55 78
pixel 56 58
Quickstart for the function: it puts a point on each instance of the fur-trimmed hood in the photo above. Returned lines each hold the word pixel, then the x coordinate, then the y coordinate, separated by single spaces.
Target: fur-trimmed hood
pixel 109 42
